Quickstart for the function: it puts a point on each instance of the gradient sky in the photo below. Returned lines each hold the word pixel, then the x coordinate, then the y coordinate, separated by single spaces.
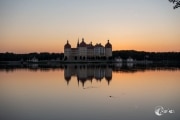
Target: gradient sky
pixel 45 25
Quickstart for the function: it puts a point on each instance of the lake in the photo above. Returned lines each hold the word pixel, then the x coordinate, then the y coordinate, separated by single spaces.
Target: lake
pixel 90 92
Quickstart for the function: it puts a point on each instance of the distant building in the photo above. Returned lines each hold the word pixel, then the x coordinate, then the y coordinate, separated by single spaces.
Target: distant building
pixel 130 59
pixel 85 51
pixel 118 59
pixel 34 59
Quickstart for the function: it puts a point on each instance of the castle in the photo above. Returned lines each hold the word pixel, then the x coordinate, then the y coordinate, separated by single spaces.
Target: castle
pixel 85 51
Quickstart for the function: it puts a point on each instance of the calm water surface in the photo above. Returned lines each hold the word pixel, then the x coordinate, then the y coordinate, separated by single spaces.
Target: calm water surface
pixel 89 93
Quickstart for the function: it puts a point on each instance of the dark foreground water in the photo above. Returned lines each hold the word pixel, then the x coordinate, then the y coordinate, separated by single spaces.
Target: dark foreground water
pixel 84 92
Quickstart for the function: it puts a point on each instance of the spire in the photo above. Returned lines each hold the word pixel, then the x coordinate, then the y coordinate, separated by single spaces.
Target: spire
pixel 108 45
pixel 67 45
pixel 82 44
pixel 78 43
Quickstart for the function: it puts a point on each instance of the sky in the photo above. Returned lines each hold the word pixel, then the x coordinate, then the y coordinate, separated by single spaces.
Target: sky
pixel 46 25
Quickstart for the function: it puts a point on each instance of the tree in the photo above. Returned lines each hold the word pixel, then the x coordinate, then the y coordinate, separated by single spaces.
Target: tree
pixel 176 2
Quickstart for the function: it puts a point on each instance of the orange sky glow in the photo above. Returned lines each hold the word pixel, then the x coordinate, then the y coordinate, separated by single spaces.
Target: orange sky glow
pixel 36 26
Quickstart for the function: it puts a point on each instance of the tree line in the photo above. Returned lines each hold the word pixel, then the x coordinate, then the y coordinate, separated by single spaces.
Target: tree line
pixel 24 57
pixel 124 54
pixel 142 55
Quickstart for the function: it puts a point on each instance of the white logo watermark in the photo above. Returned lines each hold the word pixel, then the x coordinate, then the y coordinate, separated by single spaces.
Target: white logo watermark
pixel 159 111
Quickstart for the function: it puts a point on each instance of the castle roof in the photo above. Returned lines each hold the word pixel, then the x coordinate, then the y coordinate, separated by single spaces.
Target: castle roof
pixel 90 46
pixel 98 45
pixel 82 44
pixel 108 45
pixel 67 45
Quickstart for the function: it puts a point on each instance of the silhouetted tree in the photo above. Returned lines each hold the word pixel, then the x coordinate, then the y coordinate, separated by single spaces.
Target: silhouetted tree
pixel 141 55
pixel 124 54
pixel 176 2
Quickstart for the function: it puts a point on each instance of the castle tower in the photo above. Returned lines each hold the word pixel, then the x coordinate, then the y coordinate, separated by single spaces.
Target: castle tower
pixel 82 50
pixel 67 51
pixel 108 49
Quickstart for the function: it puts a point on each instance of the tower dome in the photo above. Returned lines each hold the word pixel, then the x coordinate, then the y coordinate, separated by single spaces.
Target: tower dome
pixel 82 44
pixel 108 45
pixel 67 45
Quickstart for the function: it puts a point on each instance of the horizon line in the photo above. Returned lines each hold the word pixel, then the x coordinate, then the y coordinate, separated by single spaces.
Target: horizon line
pixel 112 51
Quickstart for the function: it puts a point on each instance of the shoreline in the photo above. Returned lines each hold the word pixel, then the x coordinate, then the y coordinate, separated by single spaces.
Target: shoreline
pixel 49 62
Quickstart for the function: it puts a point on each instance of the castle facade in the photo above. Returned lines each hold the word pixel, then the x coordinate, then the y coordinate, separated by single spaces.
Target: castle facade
pixel 85 51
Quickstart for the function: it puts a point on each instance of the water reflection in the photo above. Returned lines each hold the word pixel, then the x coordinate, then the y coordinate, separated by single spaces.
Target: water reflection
pixel 88 73
pixel 117 67
pixel 41 92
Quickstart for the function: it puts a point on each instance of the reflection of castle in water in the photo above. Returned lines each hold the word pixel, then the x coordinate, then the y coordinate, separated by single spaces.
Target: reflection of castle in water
pixel 87 73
